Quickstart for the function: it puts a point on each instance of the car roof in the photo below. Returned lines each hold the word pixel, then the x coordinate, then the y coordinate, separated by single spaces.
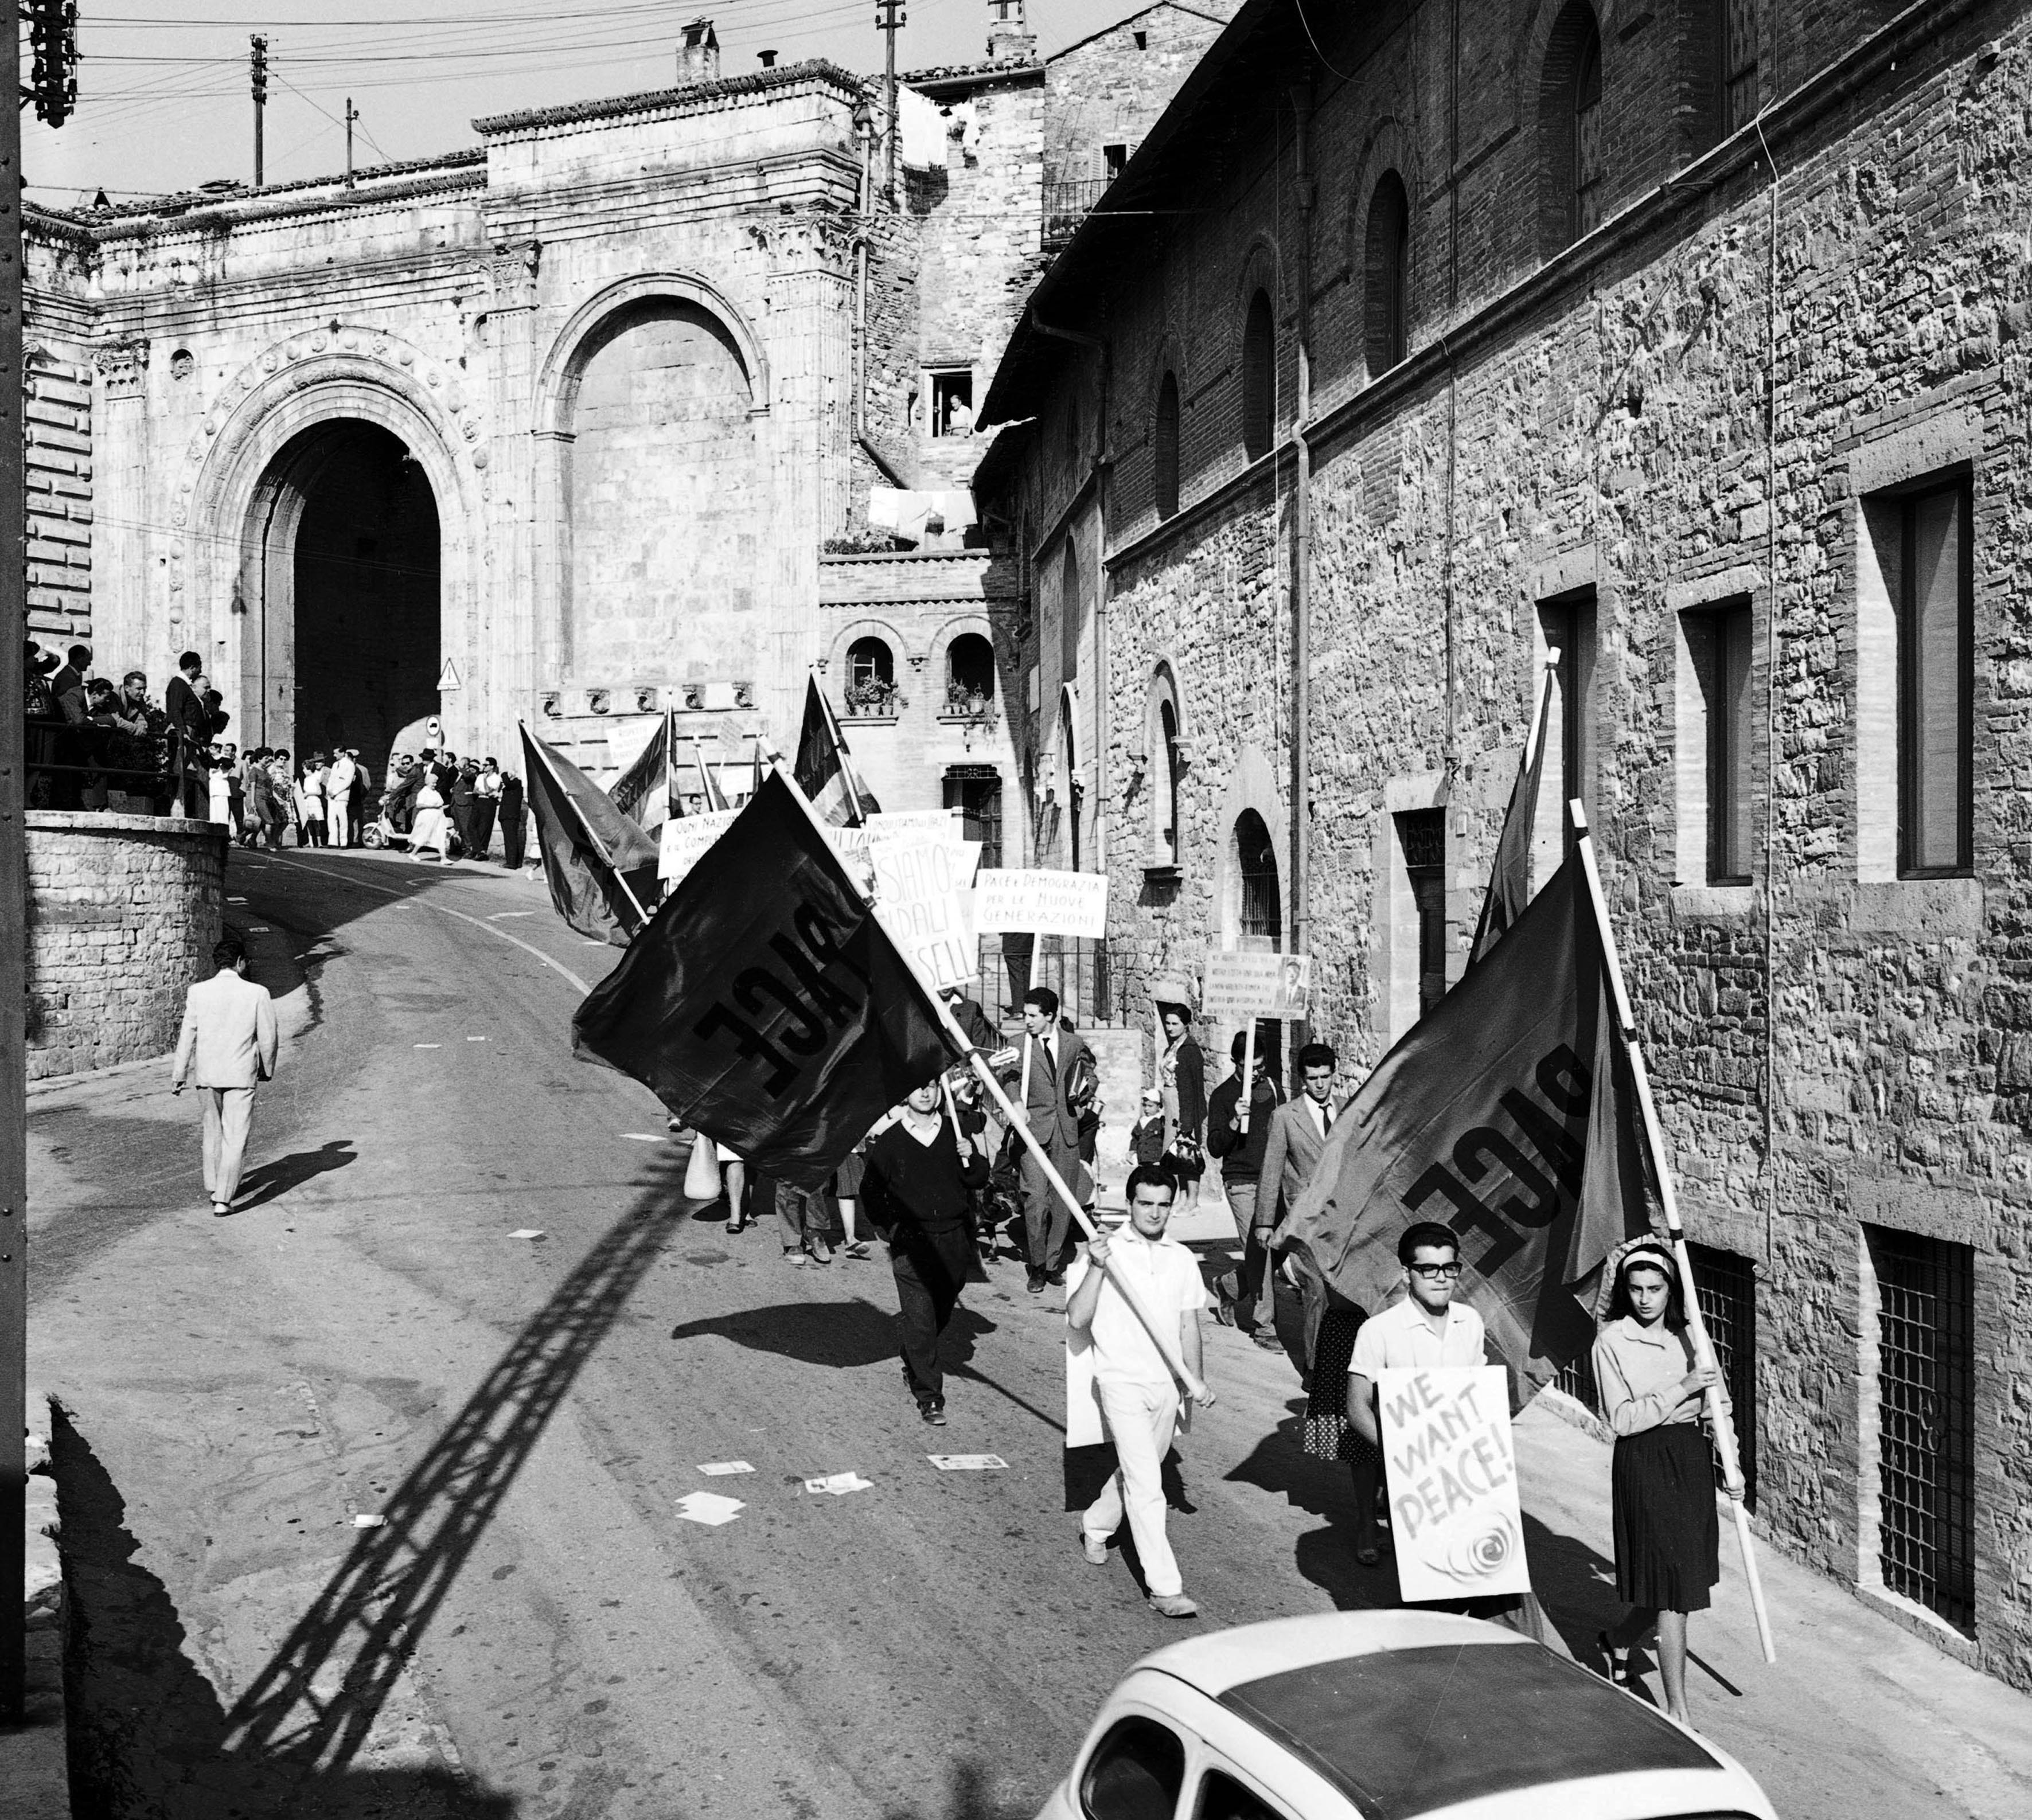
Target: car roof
pixel 1215 1662
pixel 1408 1731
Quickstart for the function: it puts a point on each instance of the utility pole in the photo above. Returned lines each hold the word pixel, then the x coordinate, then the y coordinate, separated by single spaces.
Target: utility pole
pixel 258 59
pixel 889 20
pixel 351 114
pixel 13 890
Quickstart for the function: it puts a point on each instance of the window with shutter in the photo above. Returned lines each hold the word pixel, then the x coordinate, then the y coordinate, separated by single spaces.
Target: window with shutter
pixel 1259 376
pixel 1164 447
pixel 1587 139
pixel 1935 650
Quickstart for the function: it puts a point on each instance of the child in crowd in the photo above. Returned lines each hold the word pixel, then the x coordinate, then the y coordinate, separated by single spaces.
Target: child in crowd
pixel 1146 1141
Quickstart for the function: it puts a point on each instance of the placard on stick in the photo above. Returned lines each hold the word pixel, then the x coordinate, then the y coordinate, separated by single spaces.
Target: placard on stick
pixel 921 894
pixel 684 839
pixel 1240 987
pixel 1036 901
pixel 1451 1474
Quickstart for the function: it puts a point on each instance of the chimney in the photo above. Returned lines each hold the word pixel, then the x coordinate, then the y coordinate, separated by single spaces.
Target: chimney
pixel 768 58
pixel 1009 39
pixel 698 61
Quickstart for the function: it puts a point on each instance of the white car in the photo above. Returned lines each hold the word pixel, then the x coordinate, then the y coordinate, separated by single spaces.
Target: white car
pixel 1388 1716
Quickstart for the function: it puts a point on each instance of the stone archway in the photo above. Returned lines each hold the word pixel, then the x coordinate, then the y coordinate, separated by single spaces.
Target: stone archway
pixel 258 464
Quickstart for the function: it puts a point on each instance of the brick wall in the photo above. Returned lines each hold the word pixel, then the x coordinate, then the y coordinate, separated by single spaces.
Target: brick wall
pixel 1857 1056
pixel 58 413
pixel 123 910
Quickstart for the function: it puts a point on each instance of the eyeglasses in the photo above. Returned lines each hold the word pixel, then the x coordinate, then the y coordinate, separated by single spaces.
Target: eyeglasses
pixel 1445 1272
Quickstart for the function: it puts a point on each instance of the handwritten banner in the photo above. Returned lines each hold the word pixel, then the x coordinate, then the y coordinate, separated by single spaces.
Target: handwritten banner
pixel 1454 1523
pixel 921 894
pixel 1240 987
pixel 908 825
pixel 685 840
pixel 1041 903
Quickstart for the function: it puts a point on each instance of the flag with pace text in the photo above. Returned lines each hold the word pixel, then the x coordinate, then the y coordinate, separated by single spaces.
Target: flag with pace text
pixel 594 855
pixel 765 1005
pixel 1508 1113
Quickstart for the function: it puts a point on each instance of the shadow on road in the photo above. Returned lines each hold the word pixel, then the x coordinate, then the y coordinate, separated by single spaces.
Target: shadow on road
pixel 842 1334
pixel 268 1181
pixel 285 1745
pixel 972 1797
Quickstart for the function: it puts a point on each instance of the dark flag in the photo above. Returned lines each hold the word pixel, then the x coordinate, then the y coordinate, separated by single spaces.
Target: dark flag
pixel 824 771
pixel 1508 1113
pixel 1509 880
pixel 601 867
pixel 765 1005
pixel 709 790
pixel 643 791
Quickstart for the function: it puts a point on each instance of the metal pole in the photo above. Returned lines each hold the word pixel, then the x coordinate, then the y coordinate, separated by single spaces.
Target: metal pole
pixel 13 889
pixel 888 19
pixel 1719 1426
pixel 351 114
pixel 259 60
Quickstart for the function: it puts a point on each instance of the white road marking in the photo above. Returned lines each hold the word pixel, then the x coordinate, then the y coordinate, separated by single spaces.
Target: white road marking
pixel 644 1137
pixel 426 1046
pixel 476 1039
pixel 514 941
pixel 505 916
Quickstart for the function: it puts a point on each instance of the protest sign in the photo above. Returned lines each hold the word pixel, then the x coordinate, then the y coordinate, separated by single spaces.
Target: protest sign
pixel 1451 1473
pixel 1041 903
pixel 920 894
pixel 903 825
pixel 684 839
pixel 1240 987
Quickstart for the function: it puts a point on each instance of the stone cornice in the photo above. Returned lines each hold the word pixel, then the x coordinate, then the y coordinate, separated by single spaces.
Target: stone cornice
pixel 667 101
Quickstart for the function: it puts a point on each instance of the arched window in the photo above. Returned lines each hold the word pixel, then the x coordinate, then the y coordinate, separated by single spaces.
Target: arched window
pixel 1071 612
pixel 870 677
pixel 1386 312
pixel 1570 112
pixel 1259 376
pixel 1164 447
pixel 1260 918
pixel 969 674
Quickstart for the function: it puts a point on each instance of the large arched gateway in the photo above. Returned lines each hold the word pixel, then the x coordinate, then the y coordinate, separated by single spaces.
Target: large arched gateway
pixel 345 581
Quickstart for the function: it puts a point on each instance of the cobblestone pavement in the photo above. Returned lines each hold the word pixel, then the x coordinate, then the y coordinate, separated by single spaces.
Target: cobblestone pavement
pixel 533 1630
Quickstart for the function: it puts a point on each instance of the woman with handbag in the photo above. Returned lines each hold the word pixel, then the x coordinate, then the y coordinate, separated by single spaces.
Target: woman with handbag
pixel 1182 1078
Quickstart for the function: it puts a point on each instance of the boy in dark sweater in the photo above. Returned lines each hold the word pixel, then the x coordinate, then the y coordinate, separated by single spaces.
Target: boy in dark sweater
pixel 1241 1155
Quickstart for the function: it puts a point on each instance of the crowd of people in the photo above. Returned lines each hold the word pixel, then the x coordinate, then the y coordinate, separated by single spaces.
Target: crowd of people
pixel 949 1187
pixel 94 745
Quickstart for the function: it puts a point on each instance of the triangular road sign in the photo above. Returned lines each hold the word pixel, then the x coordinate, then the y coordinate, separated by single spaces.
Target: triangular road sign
pixel 448 677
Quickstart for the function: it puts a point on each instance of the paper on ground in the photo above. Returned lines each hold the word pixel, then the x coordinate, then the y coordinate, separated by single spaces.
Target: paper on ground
pixel 840 1483
pixel 709 1508
pixel 725 1469
pixel 967 1462
pixel 370 1523
pixel 527 1232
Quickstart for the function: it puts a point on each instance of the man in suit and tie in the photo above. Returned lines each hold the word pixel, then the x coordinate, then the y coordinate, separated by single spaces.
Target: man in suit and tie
pixel 191 730
pixel 1055 1078
pixel 227 1047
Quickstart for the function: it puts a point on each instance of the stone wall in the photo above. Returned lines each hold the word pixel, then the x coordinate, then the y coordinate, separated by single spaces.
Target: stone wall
pixel 123 910
pixel 1839 1051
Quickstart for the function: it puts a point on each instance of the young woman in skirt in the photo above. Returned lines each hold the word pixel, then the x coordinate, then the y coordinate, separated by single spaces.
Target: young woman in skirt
pixel 1668 1538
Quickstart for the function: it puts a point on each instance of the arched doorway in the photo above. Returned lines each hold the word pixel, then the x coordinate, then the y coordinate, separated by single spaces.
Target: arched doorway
pixel 347 574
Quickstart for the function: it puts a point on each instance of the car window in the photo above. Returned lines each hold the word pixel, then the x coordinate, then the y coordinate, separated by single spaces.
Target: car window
pixel 1136 1773
pixel 1222 1797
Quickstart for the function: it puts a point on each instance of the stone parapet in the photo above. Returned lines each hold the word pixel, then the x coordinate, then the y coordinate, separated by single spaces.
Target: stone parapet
pixel 123 910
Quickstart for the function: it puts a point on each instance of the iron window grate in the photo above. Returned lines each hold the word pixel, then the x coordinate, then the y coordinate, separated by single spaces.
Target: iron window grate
pixel 1727 1286
pixel 1926 1421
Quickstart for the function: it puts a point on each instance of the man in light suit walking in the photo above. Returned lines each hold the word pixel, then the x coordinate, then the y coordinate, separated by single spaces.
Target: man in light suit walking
pixel 1291 1147
pixel 227 1046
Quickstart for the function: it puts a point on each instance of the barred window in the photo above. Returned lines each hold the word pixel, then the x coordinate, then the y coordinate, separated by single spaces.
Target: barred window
pixel 1388 261
pixel 1262 914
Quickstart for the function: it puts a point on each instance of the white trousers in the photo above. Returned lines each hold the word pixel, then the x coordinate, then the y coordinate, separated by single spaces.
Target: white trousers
pixel 228 1113
pixel 1140 1419
pixel 338 822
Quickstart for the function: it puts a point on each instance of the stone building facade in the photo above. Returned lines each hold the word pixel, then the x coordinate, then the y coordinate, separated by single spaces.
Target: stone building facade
pixel 1690 340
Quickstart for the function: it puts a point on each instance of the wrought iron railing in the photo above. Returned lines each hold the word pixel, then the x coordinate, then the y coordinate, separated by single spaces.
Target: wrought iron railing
pixel 1068 204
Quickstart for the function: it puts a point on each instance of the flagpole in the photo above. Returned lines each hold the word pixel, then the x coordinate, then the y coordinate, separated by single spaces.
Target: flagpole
pixel 716 798
pixel 600 846
pixel 1721 1427
pixel 1534 740
pixel 1166 1343
pixel 670 764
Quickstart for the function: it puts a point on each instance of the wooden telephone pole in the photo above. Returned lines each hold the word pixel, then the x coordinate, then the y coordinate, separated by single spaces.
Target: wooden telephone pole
pixel 258 60
pixel 889 20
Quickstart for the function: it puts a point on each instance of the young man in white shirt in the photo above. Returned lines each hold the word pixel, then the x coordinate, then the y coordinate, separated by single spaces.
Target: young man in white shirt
pixel 1137 1394
pixel 1427 1328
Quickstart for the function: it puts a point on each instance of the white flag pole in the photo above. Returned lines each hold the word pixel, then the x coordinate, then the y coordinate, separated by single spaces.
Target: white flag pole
pixel 1248 1074
pixel 598 846
pixel 1166 1341
pixel 1723 1429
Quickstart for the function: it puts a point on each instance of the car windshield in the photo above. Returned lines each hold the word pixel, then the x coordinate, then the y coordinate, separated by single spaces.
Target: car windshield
pixel 1404 1732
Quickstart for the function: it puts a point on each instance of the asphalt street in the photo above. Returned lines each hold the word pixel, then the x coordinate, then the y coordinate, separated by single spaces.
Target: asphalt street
pixel 531 1627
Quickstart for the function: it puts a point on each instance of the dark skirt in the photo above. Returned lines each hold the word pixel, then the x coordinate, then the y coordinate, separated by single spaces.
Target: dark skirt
pixel 1329 1435
pixel 1667 1536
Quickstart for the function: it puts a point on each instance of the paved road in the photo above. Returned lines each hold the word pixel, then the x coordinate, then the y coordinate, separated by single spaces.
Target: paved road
pixel 533 1630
